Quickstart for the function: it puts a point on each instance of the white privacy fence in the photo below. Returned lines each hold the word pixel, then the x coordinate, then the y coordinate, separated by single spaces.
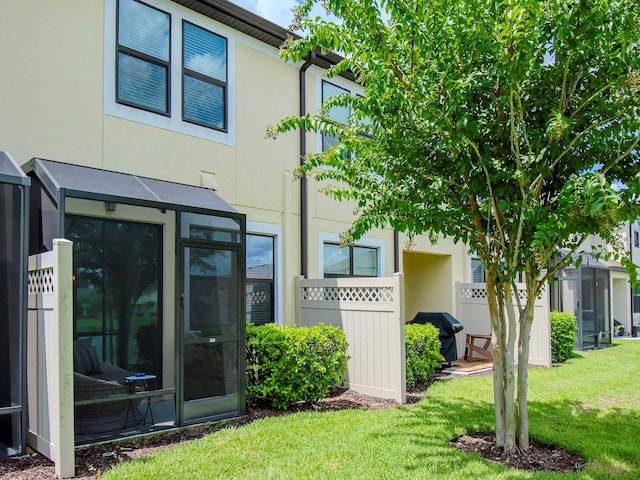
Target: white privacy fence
pixel 50 357
pixel 473 313
pixel 371 313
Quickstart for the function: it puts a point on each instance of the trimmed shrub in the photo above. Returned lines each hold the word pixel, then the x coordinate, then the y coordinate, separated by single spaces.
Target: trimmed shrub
pixel 563 334
pixel 289 364
pixel 422 347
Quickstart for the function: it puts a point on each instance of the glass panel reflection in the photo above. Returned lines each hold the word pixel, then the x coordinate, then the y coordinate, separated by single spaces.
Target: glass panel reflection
pixel 210 370
pixel 213 293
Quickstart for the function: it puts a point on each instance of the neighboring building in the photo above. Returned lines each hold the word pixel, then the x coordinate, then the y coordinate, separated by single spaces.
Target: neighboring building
pixel 126 114
pixel 599 292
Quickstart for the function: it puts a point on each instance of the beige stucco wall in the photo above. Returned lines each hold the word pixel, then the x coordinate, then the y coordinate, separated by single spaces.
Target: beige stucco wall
pixel 52 98
pixel 428 283
pixel 51 81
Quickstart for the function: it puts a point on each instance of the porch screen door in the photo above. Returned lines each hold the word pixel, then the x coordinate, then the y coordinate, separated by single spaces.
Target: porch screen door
pixel 210 337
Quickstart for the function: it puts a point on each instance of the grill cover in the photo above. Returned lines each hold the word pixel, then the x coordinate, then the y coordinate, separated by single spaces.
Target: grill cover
pixel 448 326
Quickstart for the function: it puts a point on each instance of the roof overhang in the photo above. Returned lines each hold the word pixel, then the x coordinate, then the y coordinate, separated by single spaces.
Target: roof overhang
pixel 257 27
pixel 10 172
pixel 64 180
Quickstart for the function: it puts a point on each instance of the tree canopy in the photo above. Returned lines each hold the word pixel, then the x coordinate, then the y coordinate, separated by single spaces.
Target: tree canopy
pixel 512 126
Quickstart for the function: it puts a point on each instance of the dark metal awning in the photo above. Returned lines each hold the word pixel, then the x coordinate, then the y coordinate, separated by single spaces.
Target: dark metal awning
pixel 66 180
pixel 10 172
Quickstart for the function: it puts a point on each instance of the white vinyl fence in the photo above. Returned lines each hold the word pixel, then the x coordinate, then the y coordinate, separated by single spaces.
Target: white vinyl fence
pixel 473 313
pixel 371 313
pixel 50 357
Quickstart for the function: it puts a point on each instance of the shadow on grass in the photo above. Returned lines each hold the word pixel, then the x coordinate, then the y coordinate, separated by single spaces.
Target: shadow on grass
pixel 607 439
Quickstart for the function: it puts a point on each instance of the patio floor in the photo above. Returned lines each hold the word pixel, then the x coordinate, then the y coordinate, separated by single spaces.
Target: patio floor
pixel 468 367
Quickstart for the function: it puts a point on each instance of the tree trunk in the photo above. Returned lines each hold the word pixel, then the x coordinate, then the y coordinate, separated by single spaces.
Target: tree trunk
pixel 511 321
pixel 497 350
pixel 524 343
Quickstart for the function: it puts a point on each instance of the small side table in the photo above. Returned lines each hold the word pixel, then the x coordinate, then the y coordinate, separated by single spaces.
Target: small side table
pixel 143 381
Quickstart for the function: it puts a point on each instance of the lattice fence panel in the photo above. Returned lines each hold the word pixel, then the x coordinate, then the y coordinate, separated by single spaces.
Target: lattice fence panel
pixel 474 293
pixel 481 293
pixel 40 281
pixel 348 294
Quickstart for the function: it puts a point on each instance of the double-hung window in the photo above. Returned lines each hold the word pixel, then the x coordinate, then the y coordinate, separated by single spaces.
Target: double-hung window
pixel 204 83
pixel 171 69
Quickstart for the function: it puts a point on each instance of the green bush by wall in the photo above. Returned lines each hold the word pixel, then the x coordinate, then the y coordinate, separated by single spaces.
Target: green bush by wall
pixel 422 347
pixel 563 334
pixel 289 364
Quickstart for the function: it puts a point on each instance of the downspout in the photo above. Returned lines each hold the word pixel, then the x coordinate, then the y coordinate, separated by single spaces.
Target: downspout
pixel 396 252
pixel 304 244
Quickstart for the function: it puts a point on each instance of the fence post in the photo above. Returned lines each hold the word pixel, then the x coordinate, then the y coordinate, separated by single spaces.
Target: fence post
pixel 401 386
pixel 298 298
pixel 60 361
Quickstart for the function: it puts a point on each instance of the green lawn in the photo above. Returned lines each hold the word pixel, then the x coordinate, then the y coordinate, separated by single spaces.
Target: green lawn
pixel 591 405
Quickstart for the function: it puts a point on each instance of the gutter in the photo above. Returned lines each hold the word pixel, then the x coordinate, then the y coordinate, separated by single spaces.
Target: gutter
pixel 304 234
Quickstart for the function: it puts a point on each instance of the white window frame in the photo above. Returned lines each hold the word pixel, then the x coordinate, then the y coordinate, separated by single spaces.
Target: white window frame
pixel 173 122
pixel 275 231
pixel 327 237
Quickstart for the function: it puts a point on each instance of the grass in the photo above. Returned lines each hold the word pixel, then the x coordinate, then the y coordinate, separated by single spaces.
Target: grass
pixel 591 405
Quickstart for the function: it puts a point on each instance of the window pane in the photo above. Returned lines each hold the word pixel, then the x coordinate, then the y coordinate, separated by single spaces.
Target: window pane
pixel 477 270
pixel 336 260
pixel 203 102
pixel 328 141
pixel 144 29
pixel 205 52
pixel 142 83
pixel 365 261
pixel 339 114
pixel 260 257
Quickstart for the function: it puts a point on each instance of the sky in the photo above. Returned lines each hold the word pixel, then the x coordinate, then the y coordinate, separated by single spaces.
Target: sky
pixel 277 11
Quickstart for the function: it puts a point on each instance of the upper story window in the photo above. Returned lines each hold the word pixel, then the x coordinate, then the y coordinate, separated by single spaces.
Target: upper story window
pixel 351 261
pixel 636 235
pixel 173 68
pixel 143 56
pixel 338 114
pixel 204 85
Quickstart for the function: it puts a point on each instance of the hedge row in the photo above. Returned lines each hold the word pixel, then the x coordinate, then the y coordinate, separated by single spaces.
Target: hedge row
pixel 288 364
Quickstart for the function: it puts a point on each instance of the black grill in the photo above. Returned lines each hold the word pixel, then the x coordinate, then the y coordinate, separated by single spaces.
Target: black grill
pixel 448 327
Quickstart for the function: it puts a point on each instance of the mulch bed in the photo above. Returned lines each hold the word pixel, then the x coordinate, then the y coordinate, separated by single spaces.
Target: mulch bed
pixel 93 460
pixel 537 458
